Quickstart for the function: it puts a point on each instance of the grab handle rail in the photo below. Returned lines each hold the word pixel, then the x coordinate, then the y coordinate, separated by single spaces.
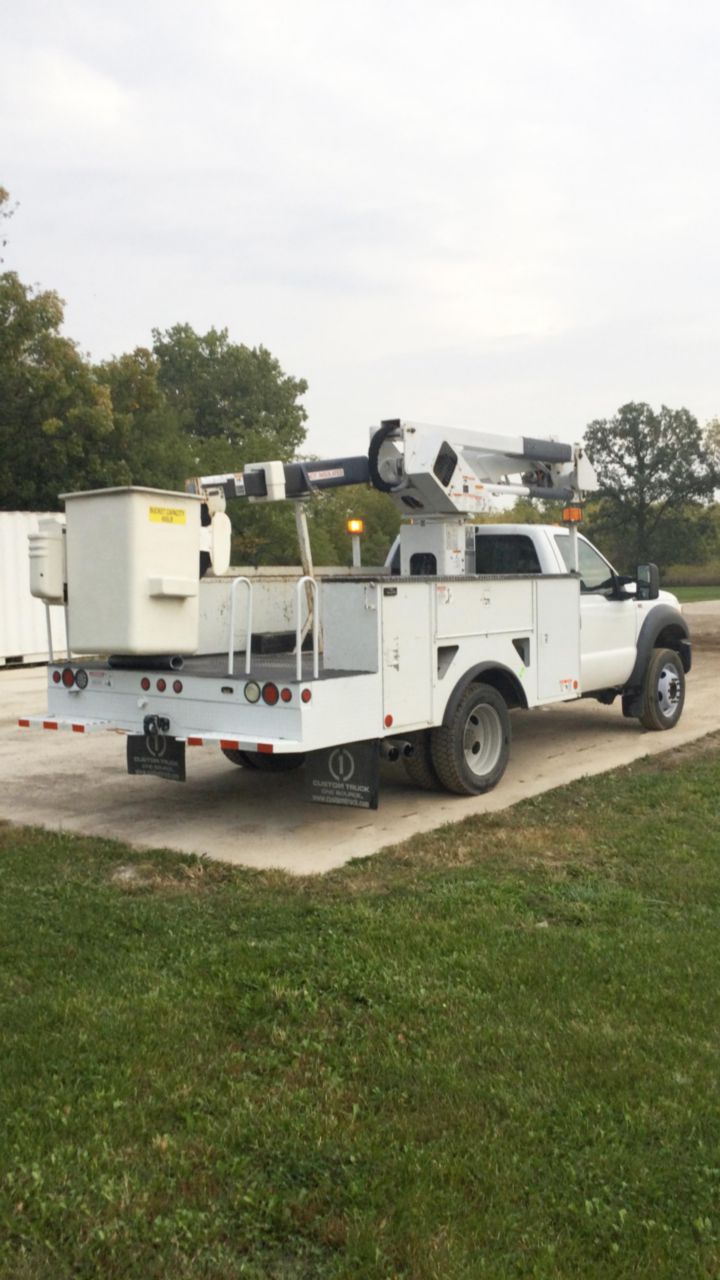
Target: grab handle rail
pixel 312 587
pixel 248 626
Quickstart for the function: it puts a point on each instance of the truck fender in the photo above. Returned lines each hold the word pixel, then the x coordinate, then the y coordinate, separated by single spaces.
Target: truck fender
pixel 666 624
pixel 493 673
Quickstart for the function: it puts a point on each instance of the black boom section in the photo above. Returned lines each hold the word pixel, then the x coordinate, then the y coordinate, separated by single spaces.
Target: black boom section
pixel 546 450
pixel 330 473
pixel 302 478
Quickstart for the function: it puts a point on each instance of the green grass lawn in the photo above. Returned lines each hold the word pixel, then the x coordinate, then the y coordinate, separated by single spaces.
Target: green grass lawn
pixel 695 593
pixel 491 1052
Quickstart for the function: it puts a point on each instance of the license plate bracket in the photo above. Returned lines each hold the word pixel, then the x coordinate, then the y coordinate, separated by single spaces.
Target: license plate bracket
pixel 156 755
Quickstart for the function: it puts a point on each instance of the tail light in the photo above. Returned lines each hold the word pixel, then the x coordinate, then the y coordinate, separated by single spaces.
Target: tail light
pixel 270 693
pixel 56 677
pixel 145 683
pixel 68 677
pixel 161 685
pixel 306 695
pixel 177 686
pixel 286 695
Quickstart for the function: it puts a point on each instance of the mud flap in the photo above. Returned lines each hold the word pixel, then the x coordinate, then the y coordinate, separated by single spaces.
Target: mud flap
pixel 156 754
pixel 346 775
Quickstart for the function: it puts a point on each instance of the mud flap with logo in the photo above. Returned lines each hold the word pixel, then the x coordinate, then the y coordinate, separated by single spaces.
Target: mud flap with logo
pixel 347 775
pixel 156 754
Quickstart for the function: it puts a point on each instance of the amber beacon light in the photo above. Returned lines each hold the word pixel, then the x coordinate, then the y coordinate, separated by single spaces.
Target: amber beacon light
pixel 355 527
pixel 572 515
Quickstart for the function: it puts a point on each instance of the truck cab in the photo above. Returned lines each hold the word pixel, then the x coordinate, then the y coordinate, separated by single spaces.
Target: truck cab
pixel 611 613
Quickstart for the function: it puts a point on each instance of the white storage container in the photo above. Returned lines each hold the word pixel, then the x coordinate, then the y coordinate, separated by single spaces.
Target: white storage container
pixel 133 557
pixel 23 626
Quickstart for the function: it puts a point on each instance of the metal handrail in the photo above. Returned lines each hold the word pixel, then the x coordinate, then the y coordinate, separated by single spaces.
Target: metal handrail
pixel 312 585
pixel 248 626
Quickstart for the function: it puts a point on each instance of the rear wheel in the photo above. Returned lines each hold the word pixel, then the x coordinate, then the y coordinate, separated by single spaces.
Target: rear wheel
pixel 269 763
pixel 419 766
pixel 663 692
pixel 470 752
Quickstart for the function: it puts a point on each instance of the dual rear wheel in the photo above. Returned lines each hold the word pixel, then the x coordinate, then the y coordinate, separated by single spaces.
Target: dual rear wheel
pixel 468 755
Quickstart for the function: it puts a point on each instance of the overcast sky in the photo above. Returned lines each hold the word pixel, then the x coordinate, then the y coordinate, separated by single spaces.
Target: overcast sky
pixel 497 214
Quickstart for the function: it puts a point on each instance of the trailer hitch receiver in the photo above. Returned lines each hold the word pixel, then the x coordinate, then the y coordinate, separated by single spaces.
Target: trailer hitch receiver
pixel 153 726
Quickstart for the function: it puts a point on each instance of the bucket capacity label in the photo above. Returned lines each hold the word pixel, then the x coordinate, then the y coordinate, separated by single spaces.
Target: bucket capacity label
pixel 167 515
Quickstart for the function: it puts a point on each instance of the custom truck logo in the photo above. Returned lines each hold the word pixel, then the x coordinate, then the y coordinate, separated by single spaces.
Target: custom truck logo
pixel 341 764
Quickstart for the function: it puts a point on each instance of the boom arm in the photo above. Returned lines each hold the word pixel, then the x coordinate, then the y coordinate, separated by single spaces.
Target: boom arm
pixel 433 470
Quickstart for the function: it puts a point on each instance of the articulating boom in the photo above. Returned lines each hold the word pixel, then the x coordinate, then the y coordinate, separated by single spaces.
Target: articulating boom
pixel 433 471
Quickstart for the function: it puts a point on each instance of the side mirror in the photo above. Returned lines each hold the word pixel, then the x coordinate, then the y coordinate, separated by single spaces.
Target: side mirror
pixel 648 582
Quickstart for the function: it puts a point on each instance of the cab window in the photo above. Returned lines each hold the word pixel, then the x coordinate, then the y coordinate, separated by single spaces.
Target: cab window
pixel 595 572
pixel 505 553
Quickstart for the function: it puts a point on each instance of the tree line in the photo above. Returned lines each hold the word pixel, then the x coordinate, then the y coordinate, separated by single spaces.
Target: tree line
pixel 195 403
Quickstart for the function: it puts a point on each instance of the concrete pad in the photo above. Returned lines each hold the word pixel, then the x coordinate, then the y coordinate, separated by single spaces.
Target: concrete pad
pixel 258 820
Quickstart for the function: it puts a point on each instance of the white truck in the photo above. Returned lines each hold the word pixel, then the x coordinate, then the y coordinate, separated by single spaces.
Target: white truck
pixel 422 660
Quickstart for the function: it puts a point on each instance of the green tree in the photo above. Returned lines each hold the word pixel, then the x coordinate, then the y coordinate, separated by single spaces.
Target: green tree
pixel 234 402
pixel 55 418
pixel 150 446
pixel 236 405
pixel 6 212
pixel 329 512
pixel 656 476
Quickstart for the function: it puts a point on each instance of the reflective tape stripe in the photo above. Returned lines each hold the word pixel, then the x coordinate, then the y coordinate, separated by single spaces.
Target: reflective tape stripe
pixel 229 744
pixel 194 742
pixel 49 724
pixel 23 724
pixel 78 728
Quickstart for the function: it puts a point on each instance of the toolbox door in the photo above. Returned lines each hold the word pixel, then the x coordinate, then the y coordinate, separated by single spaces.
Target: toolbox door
pixel 407 645
pixel 558 638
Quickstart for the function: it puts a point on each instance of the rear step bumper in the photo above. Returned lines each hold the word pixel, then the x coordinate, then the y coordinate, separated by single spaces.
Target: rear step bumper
pixel 272 746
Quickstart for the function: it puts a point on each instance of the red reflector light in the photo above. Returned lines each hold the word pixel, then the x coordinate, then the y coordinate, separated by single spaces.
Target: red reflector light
pixel 145 683
pixel 177 686
pixel 68 677
pixel 161 685
pixel 306 695
pixel 388 721
pixel 265 748
pixel 270 694
pixel 286 695
pixel 56 677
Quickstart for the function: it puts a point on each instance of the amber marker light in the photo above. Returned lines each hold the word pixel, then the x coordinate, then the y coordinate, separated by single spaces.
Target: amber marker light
pixel 355 526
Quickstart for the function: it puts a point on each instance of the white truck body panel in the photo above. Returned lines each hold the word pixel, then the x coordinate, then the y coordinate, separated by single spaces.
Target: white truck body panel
pixel 23 625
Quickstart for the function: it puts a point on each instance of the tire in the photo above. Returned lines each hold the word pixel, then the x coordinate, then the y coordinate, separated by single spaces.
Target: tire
pixel 419 767
pixel 470 752
pixel 663 691
pixel 265 763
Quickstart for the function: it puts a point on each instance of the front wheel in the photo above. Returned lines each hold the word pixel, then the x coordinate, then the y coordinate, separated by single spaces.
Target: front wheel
pixel 470 752
pixel 663 691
